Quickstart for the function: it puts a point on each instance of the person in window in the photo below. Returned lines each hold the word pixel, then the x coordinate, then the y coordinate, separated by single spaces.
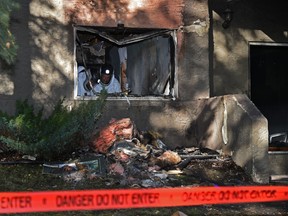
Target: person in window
pixel 83 82
pixel 107 80
pixel 123 67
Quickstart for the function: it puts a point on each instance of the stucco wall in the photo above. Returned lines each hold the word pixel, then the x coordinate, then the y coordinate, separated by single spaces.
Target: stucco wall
pixel 131 13
pixel 194 52
pixel 233 125
pixel 261 21
pixel 44 72
pixel 43 29
pixel 171 118
pixel 44 69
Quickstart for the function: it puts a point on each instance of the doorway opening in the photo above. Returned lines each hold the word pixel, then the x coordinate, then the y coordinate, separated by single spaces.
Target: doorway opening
pixel 269 86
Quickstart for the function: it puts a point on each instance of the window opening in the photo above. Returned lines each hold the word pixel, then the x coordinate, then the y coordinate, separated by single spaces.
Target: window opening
pixel 125 61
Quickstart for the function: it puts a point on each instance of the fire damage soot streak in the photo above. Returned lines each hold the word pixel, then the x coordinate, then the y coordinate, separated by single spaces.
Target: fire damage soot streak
pixel 237 195
pixel 121 199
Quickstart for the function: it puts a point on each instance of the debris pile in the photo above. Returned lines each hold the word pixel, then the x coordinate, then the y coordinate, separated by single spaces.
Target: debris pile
pixel 127 157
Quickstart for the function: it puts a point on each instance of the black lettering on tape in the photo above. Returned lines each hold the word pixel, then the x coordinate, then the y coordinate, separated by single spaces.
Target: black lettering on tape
pixel 109 199
pixel 224 195
pixel 205 195
pixel 199 196
pixel 119 199
pixel 15 202
pixel 242 194
pixel 271 193
pixel 145 198
pixel 254 194
pixel 78 200
pixel 262 194
pixel 186 196
pixel 102 199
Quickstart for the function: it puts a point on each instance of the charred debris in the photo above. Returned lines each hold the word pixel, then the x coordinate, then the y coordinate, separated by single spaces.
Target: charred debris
pixel 125 156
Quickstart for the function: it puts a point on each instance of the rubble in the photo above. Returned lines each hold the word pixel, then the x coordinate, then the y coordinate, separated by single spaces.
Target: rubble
pixel 87 166
pixel 116 130
pixel 168 158
pixel 127 157
pixel 179 213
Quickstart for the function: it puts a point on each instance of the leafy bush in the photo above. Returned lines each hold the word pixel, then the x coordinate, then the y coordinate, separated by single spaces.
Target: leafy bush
pixel 53 137
pixel 8 46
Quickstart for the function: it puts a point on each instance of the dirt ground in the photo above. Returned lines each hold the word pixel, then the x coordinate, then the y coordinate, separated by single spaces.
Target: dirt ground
pixel 208 172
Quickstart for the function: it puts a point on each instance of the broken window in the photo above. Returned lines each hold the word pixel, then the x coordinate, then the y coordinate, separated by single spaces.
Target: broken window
pixel 125 61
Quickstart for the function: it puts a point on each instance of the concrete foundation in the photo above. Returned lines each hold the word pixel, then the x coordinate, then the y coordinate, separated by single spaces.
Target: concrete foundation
pixel 230 124
pixel 278 162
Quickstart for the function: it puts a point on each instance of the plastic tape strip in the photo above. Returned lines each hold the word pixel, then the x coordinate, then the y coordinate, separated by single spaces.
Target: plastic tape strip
pixel 45 201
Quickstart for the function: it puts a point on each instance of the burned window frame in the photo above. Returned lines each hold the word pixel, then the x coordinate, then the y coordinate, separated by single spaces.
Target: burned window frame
pixel 136 35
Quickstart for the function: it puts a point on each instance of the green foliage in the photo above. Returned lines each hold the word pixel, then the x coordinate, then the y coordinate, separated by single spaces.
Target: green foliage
pixel 8 47
pixel 54 137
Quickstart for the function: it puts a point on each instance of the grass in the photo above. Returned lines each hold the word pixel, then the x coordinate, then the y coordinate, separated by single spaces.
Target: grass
pixel 24 177
pixel 30 178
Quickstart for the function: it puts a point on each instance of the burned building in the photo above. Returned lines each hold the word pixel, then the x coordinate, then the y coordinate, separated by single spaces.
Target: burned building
pixel 143 60
pixel 186 68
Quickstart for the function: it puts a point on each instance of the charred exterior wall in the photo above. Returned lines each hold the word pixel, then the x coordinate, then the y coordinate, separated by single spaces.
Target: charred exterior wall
pixel 44 71
pixel 172 118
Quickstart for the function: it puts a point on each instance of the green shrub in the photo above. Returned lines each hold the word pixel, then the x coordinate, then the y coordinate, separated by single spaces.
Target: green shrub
pixel 53 137
pixel 8 46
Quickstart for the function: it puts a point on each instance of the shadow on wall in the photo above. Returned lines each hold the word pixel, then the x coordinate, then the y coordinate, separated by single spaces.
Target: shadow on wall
pixel 268 16
pixel 233 125
pixel 52 70
pixel 252 21
pixel 11 85
pixel 43 29
pixel 41 73
pixel 206 127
